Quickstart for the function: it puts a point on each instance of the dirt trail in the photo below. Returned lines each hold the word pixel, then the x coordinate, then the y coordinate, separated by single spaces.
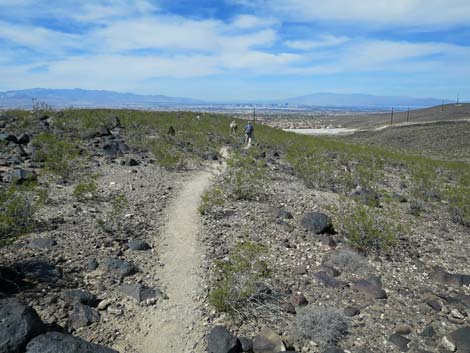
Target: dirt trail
pixel 176 324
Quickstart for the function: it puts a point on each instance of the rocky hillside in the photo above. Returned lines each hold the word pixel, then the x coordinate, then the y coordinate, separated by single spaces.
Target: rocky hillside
pixel 310 245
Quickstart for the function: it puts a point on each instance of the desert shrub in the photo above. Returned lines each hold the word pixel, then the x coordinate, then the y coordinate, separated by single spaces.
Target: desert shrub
pixel 349 261
pixel 240 289
pixel 245 177
pixel 370 229
pixel 113 218
pixel 18 204
pixel 459 204
pixel 167 155
pixel 321 324
pixel 416 207
pixel 425 182
pixel 58 155
pixel 86 189
pixel 211 198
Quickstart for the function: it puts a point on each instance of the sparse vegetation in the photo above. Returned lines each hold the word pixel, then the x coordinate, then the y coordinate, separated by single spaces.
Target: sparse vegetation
pixel 370 229
pixel 211 198
pixel 240 290
pixel 18 204
pixel 321 324
pixel 59 156
pixel 86 189
pixel 245 177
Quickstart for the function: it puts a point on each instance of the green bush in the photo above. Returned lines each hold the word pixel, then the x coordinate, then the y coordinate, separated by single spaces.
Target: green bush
pixel 245 177
pixel 18 204
pixel 86 190
pixel 113 219
pixel 240 279
pixel 459 204
pixel 58 155
pixel 211 198
pixel 370 229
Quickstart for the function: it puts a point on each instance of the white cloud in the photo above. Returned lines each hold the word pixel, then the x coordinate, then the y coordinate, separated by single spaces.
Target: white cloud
pixel 381 12
pixel 326 40
pixel 38 38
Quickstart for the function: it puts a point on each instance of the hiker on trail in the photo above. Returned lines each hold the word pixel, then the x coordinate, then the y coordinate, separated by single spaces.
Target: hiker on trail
pixel 249 133
pixel 233 127
pixel 171 131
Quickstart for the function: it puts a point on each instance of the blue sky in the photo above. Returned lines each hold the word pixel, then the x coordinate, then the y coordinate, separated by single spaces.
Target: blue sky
pixel 238 49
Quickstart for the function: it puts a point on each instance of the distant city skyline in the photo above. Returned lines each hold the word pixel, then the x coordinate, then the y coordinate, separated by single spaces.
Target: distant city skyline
pixel 238 49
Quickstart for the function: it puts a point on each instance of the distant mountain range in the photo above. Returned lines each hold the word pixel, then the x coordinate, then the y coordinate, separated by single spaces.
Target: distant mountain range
pixel 60 98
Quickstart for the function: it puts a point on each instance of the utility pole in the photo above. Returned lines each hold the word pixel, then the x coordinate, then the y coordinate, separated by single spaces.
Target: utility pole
pixel 408 115
pixel 391 118
pixel 458 98
pixel 442 106
pixel 254 114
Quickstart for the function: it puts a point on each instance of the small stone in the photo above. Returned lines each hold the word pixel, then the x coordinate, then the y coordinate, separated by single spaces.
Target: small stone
pixel 299 270
pixel 445 343
pixel 299 299
pixel 138 245
pixel 350 311
pixel 403 330
pixel 400 341
pixel 457 314
pixel 428 331
pixel 221 340
pixel 461 338
pixel 115 310
pixel 103 305
pixel 318 223
pixel 268 341
pixel 82 315
pixel 41 243
pixel 434 304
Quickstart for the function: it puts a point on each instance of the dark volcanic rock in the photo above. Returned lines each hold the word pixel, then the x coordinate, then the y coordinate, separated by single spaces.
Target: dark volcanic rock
pixel 428 331
pixel 41 243
pixel 55 342
pixel 400 341
pixel 461 339
pixel 371 287
pixel 39 271
pixel 350 311
pixel 138 245
pixel 299 299
pixel 80 296
pixel 131 162
pixel 329 281
pixel 441 276
pixel 139 292
pixel 220 340
pixel 18 324
pixel 23 139
pixel 211 156
pixel 318 223
pixel 283 214
pixel 10 281
pixel 119 267
pixel 246 344
pixel 82 315
pixel 367 197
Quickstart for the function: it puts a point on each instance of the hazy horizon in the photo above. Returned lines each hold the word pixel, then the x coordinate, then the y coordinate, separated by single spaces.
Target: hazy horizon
pixel 236 49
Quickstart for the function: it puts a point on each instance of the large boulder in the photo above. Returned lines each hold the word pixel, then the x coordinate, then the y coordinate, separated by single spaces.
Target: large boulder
pixel 119 267
pixel 39 271
pixel 318 223
pixel 461 339
pixel 18 324
pixel 220 340
pixel 55 342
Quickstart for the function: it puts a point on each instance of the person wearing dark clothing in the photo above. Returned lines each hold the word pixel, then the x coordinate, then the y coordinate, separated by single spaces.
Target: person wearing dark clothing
pixel 249 133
